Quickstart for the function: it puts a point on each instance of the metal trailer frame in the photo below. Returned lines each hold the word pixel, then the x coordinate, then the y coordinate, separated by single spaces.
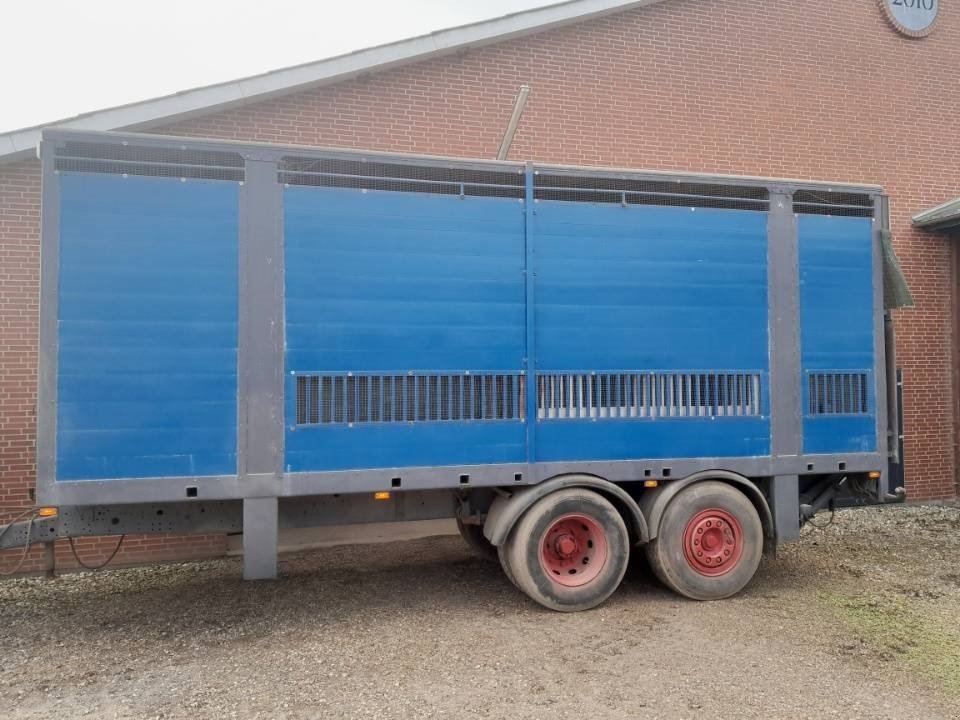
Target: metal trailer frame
pixel 262 486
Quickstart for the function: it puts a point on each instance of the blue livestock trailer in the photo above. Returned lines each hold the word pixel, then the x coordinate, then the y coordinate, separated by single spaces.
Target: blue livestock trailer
pixel 575 363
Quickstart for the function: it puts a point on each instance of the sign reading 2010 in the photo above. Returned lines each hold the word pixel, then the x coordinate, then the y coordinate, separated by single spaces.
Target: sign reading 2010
pixel 914 18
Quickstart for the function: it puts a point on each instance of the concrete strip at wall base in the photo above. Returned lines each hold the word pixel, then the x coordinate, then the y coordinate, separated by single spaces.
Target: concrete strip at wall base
pixel 298 539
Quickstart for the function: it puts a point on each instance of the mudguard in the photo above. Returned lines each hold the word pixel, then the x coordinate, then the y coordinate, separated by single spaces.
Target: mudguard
pixel 653 503
pixel 506 510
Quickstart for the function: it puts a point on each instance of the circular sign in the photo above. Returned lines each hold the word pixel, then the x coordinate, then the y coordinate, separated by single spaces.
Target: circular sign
pixel 914 18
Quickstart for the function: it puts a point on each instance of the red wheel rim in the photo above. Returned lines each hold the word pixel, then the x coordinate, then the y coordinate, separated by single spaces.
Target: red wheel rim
pixel 573 550
pixel 713 542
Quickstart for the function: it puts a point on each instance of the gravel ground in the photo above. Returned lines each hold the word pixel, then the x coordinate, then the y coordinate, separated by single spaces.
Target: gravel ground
pixel 858 620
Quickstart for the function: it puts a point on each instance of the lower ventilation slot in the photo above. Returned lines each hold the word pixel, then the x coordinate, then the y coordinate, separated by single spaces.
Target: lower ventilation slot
pixel 359 399
pixel 647 395
pixel 838 393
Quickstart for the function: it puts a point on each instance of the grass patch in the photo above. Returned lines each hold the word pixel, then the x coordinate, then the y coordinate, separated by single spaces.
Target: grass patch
pixel 905 632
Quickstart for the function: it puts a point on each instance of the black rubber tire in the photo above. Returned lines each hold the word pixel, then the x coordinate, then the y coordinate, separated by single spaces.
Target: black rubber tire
pixel 473 536
pixel 505 564
pixel 666 555
pixel 522 550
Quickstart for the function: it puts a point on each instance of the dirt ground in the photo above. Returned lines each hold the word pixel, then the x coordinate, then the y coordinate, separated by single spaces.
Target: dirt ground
pixel 858 620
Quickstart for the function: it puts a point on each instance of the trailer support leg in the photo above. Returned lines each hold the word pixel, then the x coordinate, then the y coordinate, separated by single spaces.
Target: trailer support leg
pixel 785 499
pixel 49 560
pixel 260 538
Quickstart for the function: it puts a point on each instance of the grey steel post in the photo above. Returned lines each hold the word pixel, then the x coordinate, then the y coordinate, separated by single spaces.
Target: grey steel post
pixel 885 354
pixel 530 349
pixel 785 505
pixel 786 420
pixel 49 560
pixel 260 427
pixel 260 337
pixel 260 523
pixel 783 276
pixel 49 339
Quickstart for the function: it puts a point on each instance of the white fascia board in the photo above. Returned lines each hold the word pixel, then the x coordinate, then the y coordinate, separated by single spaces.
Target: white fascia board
pixel 200 101
pixel 945 211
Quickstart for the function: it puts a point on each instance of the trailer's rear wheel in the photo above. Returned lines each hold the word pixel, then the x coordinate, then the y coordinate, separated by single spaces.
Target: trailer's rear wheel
pixel 709 542
pixel 473 536
pixel 569 551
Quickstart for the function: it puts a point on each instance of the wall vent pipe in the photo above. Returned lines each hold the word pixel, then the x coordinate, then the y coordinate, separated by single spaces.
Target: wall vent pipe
pixel 522 97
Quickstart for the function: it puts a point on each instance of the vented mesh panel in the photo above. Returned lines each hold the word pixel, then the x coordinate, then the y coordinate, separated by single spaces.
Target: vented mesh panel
pixel 647 395
pixel 406 177
pixel 598 189
pixel 349 399
pixel 896 291
pixel 838 393
pixel 820 202
pixel 124 159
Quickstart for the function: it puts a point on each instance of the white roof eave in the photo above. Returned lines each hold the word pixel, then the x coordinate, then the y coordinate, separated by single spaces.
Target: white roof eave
pixel 19 144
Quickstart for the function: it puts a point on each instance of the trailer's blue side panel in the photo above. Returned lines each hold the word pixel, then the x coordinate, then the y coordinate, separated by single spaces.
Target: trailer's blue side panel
pixel 147 383
pixel 386 288
pixel 654 290
pixel 836 329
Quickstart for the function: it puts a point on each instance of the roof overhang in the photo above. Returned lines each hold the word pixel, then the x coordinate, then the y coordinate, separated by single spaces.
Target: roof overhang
pixel 20 144
pixel 941 218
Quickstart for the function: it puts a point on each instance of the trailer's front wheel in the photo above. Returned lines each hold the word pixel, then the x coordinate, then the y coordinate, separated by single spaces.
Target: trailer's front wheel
pixel 569 551
pixel 709 542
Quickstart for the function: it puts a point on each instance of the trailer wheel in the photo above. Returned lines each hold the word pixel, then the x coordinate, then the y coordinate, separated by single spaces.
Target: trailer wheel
pixel 505 564
pixel 569 551
pixel 473 536
pixel 709 543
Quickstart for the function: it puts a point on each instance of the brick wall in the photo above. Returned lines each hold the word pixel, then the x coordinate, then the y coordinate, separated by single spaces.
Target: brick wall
pixel 19 291
pixel 750 87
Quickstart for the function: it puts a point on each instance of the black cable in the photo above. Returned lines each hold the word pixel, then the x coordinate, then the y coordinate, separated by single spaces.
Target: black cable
pixel 828 523
pixel 26 547
pixel 81 563
pixel 29 543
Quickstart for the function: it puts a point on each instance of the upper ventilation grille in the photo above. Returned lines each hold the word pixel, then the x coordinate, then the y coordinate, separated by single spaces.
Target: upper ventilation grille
pixel 600 189
pixel 125 159
pixel 396 177
pixel 820 202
